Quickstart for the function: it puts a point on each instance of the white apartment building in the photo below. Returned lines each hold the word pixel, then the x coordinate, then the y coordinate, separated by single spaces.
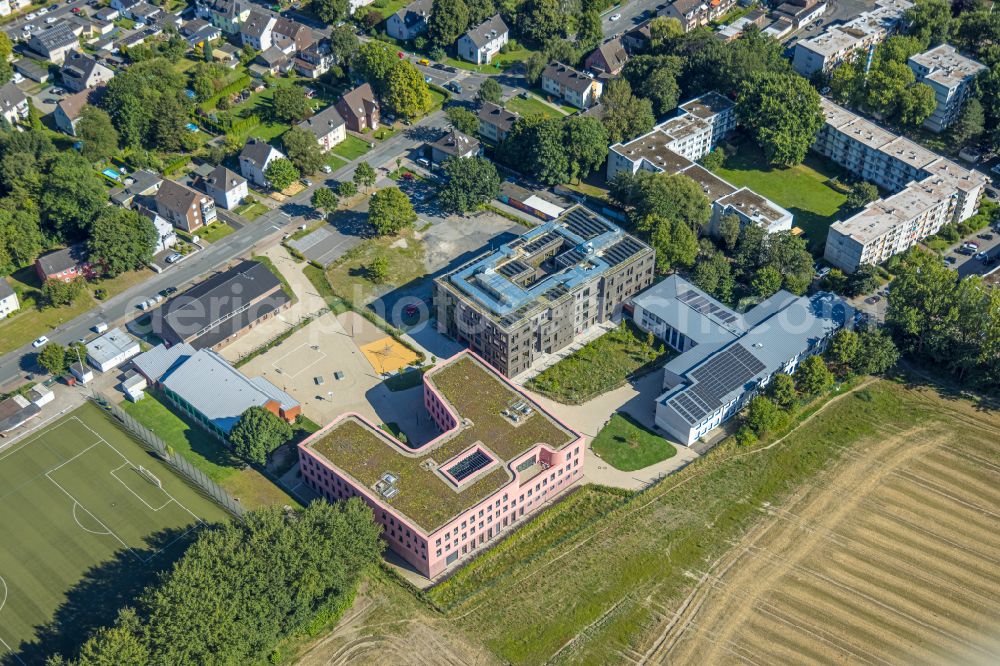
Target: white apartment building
pixel 929 190
pixel 674 145
pixel 827 50
pixel 482 43
pixel 950 74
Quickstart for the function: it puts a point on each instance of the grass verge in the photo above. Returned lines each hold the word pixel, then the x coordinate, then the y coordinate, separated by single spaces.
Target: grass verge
pixel 351 148
pixel 626 445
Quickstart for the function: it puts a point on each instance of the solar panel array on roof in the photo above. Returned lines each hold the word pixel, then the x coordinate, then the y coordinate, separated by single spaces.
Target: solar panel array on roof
pixel 571 257
pixel 699 303
pixel 727 371
pixel 622 251
pixel 516 316
pixel 512 268
pixel 542 242
pixel 584 224
pixel 469 465
pixel 556 292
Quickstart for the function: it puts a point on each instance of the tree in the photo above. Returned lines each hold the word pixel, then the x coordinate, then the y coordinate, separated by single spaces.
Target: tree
pixel 146 96
pixel 877 353
pixel 656 77
pixel 406 92
pixel 929 21
pixel 729 230
pixel 290 104
pixel 812 376
pixel 589 31
pixel 714 275
pixel 585 141
pixel 540 21
pixel 325 199
pixel 53 358
pixel 469 183
pixel 207 79
pixel 378 269
pixel 281 173
pixel 862 193
pixel 122 240
pixel 330 11
pixel 344 44
pixel 625 115
pixel 6 49
pixel 21 238
pixel 447 21
pixel 390 211
pixel 303 150
pixel 916 104
pixel 862 281
pixel 489 91
pixel 463 120
pixel 480 10
pixel 764 416
pixel 782 390
pixel 72 194
pixel 675 243
pixel 782 114
pixel 766 282
pixel 671 197
pixel 373 63
pixel 663 31
pixel 364 175
pixel 57 293
pixel 970 125
pixel 843 350
pixel 258 433
pixel 206 51
pixel 534 66
pixel 97 133
pixel 347 189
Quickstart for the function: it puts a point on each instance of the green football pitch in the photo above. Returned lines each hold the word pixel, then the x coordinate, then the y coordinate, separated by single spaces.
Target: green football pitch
pixel 74 494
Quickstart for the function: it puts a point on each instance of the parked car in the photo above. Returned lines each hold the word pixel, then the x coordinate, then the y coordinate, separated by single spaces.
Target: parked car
pixel 615 17
pixel 982 256
pixel 428 79
pixel 967 251
pixel 307 182
pixel 455 87
pixel 950 260
pixel 51 19
pixel 175 257
pixel 326 168
pixel 988 237
pixel 39 342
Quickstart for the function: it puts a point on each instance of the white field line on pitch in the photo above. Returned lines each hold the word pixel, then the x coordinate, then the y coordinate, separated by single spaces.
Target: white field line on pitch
pixel 30 431
pixel 292 375
pixel 150 506
pixel 99 521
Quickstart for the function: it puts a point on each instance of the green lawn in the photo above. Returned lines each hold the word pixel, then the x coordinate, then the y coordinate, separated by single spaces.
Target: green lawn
pixel 214 232
pixel 396 174
pixel 83 530
pixel 351 148
pixel 334 161
pixel 251 211
pixel 802 189
pixel 531 106
pixel 626 445
pixel 349 276
pixel 384 132
pixel 600 366
pixel 205 452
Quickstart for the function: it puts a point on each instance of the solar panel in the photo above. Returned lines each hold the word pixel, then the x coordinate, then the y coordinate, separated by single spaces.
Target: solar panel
pixel 469 465
pixel 621 251
pixel 512 268
pixel 584 224
pixel 541 242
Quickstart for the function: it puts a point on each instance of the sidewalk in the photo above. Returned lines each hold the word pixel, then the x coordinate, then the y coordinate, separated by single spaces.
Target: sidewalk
pixel 546 361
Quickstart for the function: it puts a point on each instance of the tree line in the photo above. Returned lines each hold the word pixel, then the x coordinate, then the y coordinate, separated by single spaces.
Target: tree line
pixel 241 588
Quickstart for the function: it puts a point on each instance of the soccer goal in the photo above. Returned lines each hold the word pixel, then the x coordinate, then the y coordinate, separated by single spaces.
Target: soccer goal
pixel 149 476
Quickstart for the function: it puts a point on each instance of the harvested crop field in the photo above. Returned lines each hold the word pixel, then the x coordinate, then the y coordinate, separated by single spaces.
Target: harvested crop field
pixel 892 557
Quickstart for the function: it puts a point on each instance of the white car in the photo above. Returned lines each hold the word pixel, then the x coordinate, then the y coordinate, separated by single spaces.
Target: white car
pixel 175 257
pixel 52 19
pixel 615 17
pixel 32 16
pixel 326 168
pixel 982 256
pixel 39 342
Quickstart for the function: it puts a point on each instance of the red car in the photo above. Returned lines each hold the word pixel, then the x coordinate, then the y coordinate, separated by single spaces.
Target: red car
pixel 401 55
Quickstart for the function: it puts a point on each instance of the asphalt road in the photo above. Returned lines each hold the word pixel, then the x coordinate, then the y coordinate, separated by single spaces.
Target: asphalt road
pixel 15 28
pixel 966 265
pixel 264 231
pixel 632 14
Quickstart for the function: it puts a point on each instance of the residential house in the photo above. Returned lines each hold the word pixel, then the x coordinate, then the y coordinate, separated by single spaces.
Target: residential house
pixel 410 21
pixel 950 75
pixel 257 154
pixel 495 122
pixel 227 15
pixel 638 39
pixel 454 144
pixel 56 41
pixel 355 5
pixel 480 44
pixel 80 71
pixel 327 126
pixel 220 309
pixel 106 14
pixel 271 61
pixel 210 390
pixel 111 349
pixel 726 357
pixel 140 183
pixel 147 14
pixel 298 36
pixel 609 58
pixel 314 61
pixel 359 108
pixel 68 109
pixel 8 299
pixel 66 265
pixel 165 233
pixel 33 69
pixel 199 31
pixel 183 207
pixel 13 103
pixel 576 88
pixel 227 188
pixel 696 13
pixel 257 30
pixel 125 7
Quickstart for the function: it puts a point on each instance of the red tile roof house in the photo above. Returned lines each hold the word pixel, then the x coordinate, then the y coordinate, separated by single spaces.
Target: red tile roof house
pixel 500 458
pixel 608 58
pixel 66 265
pixel 359 109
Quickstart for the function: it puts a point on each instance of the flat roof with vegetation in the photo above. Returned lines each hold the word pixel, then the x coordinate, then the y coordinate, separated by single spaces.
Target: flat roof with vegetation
pixel 478 396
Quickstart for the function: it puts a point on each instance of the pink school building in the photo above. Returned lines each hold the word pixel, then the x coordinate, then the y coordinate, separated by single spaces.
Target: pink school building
pixel 499 458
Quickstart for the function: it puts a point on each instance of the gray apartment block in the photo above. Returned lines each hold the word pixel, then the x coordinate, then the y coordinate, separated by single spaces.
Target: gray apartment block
pixel 536 294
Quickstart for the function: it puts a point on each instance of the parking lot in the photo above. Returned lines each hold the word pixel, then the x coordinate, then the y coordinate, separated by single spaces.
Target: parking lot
pixel 981 259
